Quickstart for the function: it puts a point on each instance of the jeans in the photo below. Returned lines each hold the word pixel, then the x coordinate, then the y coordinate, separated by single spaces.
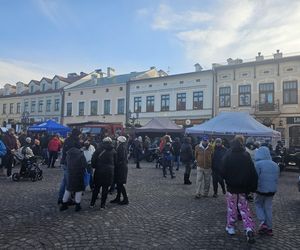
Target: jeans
pixel 177 161
pixel 64 182
pixel 263 207
pixel 52 158
pixel 188 168
pixel 45 155
pixel 167 164
pixel 203 177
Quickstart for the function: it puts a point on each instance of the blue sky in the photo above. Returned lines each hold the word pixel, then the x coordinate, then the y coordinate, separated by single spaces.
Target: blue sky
pixel 47 37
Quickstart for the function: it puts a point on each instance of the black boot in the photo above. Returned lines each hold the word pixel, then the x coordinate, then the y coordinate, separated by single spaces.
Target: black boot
pixel 116 200
pixel 185 179
pixel 77 207
pixel 124 202
pixel 64 206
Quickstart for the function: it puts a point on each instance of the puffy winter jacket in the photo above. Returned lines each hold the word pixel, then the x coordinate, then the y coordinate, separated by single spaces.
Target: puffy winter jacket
pixel 267 171
pixel 203 156
pixel 54 144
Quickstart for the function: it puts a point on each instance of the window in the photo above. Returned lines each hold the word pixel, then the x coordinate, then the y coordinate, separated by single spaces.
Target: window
pixel 11 108
pixel 107 90
pixel 245 95
pixel 165 103
pixel 198 100
pixel 181 101
pixel 198 80
pixel 26 107
pixel 31 89
pixel 56 104
pixel 56 85
pixel 94 107
pixel 33 106
pixel 94 91
pixel 266 93
pixel 69 109
pixel 224 97
pixel 107 107
pixel 48 105
pixel 290 92
pixel 81 93
pixel 41 104
pixel 18 108
pixel 150 104
pixel 121 88
pixel 137 104
pixel 181 82
pixel 81 108
pixel 121 106
pixel 4 109
pixel 44 87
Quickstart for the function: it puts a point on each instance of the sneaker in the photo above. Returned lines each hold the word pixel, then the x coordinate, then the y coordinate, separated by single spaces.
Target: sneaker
pixel 124 202
pixel 197 196
pixel 92 206
pixel 230 230
pixel 263 229
pixel 250 237
pixel 9 177
pixel 102 207
pixel 269 232
pixel 215 195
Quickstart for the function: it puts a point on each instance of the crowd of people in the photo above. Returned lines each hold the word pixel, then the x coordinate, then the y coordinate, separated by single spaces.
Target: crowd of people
pixel 241 168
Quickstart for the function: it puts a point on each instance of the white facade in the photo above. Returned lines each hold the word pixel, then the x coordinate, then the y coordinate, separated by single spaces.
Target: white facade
pixel 187 86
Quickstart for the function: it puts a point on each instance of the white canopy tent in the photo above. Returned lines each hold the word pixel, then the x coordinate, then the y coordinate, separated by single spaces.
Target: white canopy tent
pixel 233 123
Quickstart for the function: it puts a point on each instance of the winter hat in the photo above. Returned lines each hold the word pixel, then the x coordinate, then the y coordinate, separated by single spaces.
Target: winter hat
pixel 250 140
pixel 107 139
pixel 205 138
pixel 140 139
pixel 218 140
pixel 75 132
pixel 28 140
pixel 121 138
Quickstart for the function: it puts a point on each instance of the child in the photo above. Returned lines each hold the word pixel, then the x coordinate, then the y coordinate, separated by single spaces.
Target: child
pixel 268 174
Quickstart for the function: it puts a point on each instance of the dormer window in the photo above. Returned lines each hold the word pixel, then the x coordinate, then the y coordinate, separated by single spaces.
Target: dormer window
pixel 56 85
pixel 43 87
pixel 31 89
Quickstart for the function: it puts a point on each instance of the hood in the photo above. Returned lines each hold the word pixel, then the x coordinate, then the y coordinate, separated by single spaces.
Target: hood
pixel 107 146
pixel 236 146
pixel 73 151
pixel 263 153
pixel 201 145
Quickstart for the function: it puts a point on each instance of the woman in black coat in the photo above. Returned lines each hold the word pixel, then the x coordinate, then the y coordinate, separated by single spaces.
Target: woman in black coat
pixel 76 167
pixel 103 161
pixel 121 171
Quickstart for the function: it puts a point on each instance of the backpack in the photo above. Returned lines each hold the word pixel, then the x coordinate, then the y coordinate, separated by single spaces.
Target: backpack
pixel 3 150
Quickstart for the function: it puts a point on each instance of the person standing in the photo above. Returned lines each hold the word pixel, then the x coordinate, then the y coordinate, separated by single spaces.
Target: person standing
pixel 54 146
pixel 167 155
pixel 240 177
pixel 88 151
pixel 219 152
pixel 121 170
pixel 176 147
pixel 203 155
pixel 44 146
pixel 268 174
pixel 103 160
pixel 138 150
pixel 10 141
pixel 76 165
pixel 186 157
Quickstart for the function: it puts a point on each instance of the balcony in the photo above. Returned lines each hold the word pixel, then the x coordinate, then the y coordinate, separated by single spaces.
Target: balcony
pixel 267 108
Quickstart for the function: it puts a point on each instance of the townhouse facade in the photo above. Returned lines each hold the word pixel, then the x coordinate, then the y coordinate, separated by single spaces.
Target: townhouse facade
pixel 184 98
pixel 267 88
pixel 100 98
pixel 25 104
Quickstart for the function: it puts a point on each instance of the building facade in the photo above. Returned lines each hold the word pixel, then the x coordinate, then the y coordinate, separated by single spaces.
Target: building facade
pixel 266 88
pixel 99 98
pixel 184 98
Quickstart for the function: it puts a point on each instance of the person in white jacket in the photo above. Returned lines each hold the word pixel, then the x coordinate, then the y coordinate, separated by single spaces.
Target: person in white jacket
pixel 88 151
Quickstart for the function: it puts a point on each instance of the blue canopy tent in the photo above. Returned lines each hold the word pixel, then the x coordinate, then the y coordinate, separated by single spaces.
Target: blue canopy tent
pixel 233 123
pixel 51 127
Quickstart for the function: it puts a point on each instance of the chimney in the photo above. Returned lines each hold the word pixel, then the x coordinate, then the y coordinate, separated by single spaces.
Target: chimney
pixel 152 67
pixel 278 54
pixel 94 78
pixel 259 57
pixel 72 75
pixel 110 72
pixel 198 67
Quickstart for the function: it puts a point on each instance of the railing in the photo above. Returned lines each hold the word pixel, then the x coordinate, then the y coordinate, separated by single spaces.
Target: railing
pixel 267 107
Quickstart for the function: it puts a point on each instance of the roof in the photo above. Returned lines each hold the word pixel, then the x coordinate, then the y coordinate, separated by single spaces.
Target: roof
pixel 232 123
pixel 35 81
pixel 70 79
pixel 47 79
pixel 160 124
pixel 118 79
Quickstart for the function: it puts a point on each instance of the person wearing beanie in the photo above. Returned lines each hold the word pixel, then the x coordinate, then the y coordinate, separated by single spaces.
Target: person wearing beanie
pixel 121 170
pixel 103 161
pixel 219 152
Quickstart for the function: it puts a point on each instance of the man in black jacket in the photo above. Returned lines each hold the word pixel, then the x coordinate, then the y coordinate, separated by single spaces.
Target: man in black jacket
pixel 186 157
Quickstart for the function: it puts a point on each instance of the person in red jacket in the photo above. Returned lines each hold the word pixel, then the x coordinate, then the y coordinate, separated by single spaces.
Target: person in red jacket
pixel 54 146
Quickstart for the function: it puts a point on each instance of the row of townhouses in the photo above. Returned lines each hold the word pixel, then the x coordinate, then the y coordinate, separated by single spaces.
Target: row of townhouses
pixel 267 88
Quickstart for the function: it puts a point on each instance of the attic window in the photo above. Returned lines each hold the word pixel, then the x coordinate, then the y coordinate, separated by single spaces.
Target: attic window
pixel 81 92
pixel 69 94
pixel 266 72
pixel 150 85
pixel 181 82
pixel 289 69
pixel 198 80
pixel 137 87
pixel 165 84
pixel 94 91
pixel 121 88
pixel 107 90
pixel 245 74
pixel 225 76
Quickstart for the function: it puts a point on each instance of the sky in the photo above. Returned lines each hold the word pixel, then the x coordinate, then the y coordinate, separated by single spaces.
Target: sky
pixel 42 38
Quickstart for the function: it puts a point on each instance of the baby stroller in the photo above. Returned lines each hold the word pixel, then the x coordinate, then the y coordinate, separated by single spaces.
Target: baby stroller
pixel 29 169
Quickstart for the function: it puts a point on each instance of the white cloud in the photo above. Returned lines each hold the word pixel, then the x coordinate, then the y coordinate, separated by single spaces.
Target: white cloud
pixel 235 29
pixel 12 71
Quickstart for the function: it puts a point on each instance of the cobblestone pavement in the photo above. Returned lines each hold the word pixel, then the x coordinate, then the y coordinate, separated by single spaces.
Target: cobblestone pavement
pixel 162 214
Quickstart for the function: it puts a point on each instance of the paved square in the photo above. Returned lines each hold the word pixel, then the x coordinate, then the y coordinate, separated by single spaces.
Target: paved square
pixel 162 214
